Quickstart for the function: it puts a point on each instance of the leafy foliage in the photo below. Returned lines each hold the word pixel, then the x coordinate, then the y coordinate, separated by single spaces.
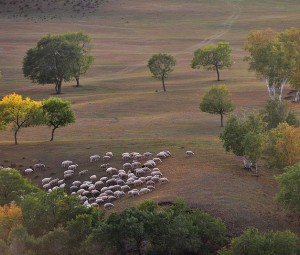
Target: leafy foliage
pixel 217 101
pixel 161 65
pixel 213 57
pixel 13 186
pixel 57 113
pixel 289 184
pixel 19 113
pixel 251 242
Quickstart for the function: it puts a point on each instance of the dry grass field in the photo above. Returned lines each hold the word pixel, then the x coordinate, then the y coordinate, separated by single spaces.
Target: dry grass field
pixel 120 107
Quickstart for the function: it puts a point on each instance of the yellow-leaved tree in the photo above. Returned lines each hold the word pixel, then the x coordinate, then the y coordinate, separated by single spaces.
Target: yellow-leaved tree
pixel 17 113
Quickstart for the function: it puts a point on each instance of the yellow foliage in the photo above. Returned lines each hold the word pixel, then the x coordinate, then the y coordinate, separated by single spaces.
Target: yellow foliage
pixel 10 217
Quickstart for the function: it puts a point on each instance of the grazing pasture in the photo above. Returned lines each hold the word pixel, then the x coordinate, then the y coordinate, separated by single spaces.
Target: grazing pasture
pixel 120 107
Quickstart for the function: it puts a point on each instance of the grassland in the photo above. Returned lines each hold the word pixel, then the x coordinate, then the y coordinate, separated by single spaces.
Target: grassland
pixel 118 108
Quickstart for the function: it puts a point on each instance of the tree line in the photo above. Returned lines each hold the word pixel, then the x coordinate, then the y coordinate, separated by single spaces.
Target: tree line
pixel 43 223
pixel 17 113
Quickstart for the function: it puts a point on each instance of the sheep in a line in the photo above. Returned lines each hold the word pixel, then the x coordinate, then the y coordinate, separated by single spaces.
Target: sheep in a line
pixel 28 171
pixel 66 163
pixel 189 153
pixel 95 158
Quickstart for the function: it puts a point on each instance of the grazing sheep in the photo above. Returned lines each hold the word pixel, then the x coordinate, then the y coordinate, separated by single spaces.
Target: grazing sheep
pixel 95 158
pixel 151 187
pixel 80 191
pixel 137 183
pixel 133 193
pixel 84 186
pixel 155 178
pixel 136 164
pixel 109 153
pixel 76 183
pixel 156 173
pixel 94 205
pixel 140 172
pixel 72 167
pixel 108 206
pixel 111 182
pixel 74 188
pixel 189 153
pixel 83 172
pixel 46 180
pixel 60 182
pixel 157 160
pixel 28 171
pixel 104 179
pixel 95 192
pixel 126 157
pixel 68 176
pixel 93 178
pixel 109 192
pixel 151 183
pixel 106 158
pixel 91 187
pixel 38 166
pixel 62 186
pixel 127 166
pixel 105 166
pixel 111 170
pixel 147 155
pixel 66 163
pixel 99 184
pixel 125 188
pixel 69 172
pixel 144 191
pixel 163 180
pixel 104 189
pixel 120 182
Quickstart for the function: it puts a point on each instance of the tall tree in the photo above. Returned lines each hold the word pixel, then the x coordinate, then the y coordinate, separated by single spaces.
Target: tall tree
pixel 57 113
pixel 19 113
pixel 51 61
pixel 217 101
pixel 161 65
pixel 213 57
pixel 83 61
pixel 273 58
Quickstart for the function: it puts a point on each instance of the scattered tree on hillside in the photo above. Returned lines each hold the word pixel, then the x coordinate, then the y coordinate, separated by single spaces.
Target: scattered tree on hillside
pixel 283 145
pixel 289 183
pixel 213 57
pixel 217 101
pixel 19 113
pixel 275 112
pixel 252 242
pixel 52 61
pixel 245 138
pixel 13 186
pixel 57 113
pixel 161 65
pixel 82 61
pixel 273 58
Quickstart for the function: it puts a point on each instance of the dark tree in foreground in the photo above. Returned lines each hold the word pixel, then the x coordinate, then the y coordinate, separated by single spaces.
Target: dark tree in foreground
pixel 161 65
pixel 213 57
pixel 217 101
pixel 57 113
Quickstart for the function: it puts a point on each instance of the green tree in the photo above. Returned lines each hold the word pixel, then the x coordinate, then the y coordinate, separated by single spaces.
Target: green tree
pixel 252 242
pixel 161 65
pixel 275 112
pixel 273 58
pixel 13 186
pixel 83 61
pixel 217 101
pixel 289 188
pixel 213 57
pixel 51 61
pixel 57 113
pixel 19 113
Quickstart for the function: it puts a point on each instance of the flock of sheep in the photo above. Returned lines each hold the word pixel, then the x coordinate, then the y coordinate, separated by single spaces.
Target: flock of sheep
pixel 134 179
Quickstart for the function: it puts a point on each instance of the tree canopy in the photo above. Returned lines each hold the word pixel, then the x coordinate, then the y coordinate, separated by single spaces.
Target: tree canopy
pixel 57 113
pixel 57 58
pixel 161 65
pixel 18 113
pixel 212 57
pixel 217 101
pixel 273 58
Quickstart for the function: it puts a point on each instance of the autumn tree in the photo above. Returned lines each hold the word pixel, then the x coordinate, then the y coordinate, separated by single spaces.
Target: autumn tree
pixel 13 186
pixel 57 113
pixel 82 62
pixel 18 113
pixel 273 58
pixel 161 65
pixel 212 57
pixel 217 101
pixel 52 61
pixel 283 145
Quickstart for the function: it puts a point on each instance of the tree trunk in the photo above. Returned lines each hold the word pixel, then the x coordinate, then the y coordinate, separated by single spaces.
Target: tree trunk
pixel 16 132
pixel 222 120
pixel 296 99
pixel 77 81
pixel 163 83
pixel 256 169
pixel 52 134
pixel 217 69
pixel 58 91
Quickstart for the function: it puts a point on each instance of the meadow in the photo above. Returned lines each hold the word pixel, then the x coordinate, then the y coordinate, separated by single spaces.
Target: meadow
pixel 120 107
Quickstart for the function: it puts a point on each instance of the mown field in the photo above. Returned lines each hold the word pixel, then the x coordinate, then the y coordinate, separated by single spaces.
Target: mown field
pixel 120 107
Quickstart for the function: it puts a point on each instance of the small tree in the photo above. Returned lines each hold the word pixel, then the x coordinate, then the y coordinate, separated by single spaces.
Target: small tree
pixel 161 65
pixel 213 57
pixel 252 242
pixel 13 186
pixel 57 113
pixel 217 101
pixel 19 113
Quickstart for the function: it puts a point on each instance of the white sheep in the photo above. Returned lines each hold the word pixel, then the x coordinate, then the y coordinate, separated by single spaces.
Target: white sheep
pixel 72 167
pixel 95 158
pixel 147 154
pixel 189 153
pixel 28 171
pixel 108 206
pixel 83 172
pixel 105 166
pixel 38 166
pixel 109 153
pixel 133 193
pixel 106 158
pixel 163 180
pixel 157 160
pixel 66 163
pixel 46 180
pixel 144 191
pixel 93 178
pixel 112 170
pixel 104 179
